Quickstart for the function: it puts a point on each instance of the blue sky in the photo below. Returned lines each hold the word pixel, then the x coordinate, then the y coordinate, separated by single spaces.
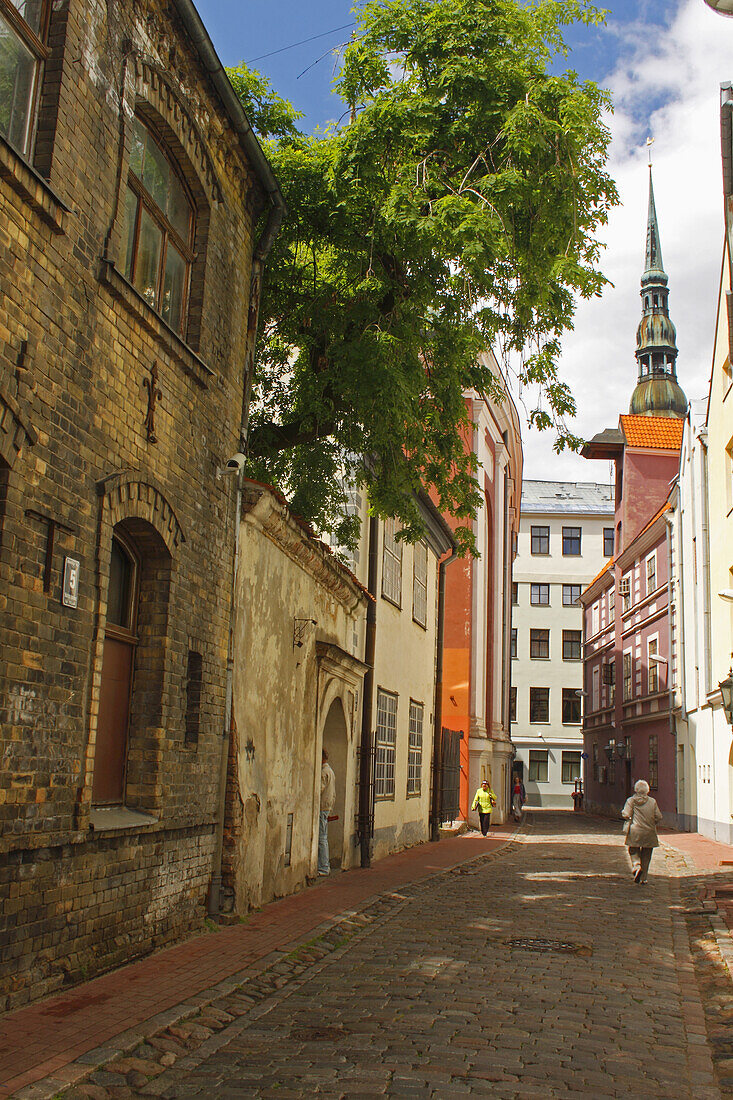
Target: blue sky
pixel 270 25
pixel 663 61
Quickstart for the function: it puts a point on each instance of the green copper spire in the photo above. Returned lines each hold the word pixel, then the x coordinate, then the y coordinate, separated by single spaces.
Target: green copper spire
pixel 657 392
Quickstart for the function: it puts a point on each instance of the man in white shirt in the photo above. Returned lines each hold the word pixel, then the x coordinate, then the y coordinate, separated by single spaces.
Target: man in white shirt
pixel 328 797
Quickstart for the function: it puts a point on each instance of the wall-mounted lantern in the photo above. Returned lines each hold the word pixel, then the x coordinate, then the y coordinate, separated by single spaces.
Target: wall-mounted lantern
pixel 726 690
pixel 299 627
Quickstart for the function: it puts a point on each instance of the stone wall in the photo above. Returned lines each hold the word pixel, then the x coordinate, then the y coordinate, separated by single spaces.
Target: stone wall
pixel 86 453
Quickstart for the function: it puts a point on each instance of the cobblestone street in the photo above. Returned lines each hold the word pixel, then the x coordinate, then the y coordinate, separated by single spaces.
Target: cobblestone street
pixel 539 970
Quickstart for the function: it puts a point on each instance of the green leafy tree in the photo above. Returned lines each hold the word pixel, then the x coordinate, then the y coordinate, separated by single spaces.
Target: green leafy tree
pixel 454 207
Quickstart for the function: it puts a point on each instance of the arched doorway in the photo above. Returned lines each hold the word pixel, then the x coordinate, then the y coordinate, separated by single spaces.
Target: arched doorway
pixel 335 742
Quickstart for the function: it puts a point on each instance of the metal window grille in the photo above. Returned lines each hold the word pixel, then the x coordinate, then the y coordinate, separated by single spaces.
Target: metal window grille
pixel 572 641
pixel 571 707
pixel 414 749
pixel 539 643
pixel 385 744
pixel 420 584
pixel 653 777
pixel 570 594
pixel 392 564
pixel 540 540
pixel 539 704
pixel 539 594
pixel 571 541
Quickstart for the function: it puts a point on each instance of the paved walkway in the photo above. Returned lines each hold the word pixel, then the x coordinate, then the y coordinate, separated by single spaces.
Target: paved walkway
pixel 510 968
pixel 47 1040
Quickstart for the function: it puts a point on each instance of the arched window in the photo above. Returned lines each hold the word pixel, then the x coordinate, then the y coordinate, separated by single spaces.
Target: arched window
pixel 159 229
pixel 23 25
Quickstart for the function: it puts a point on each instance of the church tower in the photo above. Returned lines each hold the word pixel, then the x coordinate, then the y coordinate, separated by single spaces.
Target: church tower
pixel 657 392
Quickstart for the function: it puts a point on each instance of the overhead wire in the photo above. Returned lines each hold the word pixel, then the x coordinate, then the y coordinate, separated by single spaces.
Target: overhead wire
pixel 302 42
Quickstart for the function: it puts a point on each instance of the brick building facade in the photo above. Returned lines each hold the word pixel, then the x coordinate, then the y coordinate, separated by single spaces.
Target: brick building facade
pixel 131 189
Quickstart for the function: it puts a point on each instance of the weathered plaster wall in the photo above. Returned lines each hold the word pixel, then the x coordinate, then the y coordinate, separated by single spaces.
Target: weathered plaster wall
pixel 282 698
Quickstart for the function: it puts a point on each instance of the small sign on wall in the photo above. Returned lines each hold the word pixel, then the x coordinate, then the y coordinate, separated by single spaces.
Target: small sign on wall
pixel 70 587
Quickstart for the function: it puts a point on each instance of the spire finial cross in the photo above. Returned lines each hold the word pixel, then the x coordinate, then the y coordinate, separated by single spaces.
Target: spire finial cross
pixel 649 143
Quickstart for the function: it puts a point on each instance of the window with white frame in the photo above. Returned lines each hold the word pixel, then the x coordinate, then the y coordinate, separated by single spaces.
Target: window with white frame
pixel 386 744
pixel 23 27
pixel 596 689
pixel 595 618
pixel 414 748
pixel 611 603
pixel 570 594
pixel 392 564
pixel 420 584
pixel 538 765
pixel 652 649
pixel 539 595
pixel 651 574
pixel 571 765
pixel 628 675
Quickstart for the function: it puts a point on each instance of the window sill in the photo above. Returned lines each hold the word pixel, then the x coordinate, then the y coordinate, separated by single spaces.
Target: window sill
pixel 390 600
pixel 423 626
pixel 134 302
pixel 117 818
pixel 32 187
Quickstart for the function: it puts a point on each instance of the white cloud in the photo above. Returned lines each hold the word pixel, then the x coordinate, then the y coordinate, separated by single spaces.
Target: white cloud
pixel 665 84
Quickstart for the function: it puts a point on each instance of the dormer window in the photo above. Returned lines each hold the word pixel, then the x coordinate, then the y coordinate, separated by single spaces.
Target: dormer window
pixel 159 227
pixel 23 25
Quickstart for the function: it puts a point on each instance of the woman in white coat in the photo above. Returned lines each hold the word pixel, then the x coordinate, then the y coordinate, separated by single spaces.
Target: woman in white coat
pixel 642 816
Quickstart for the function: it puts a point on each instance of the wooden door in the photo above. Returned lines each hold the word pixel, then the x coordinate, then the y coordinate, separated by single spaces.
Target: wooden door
pixel 113 721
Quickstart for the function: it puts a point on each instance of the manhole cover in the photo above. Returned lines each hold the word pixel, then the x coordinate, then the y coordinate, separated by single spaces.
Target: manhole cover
pixel 318 1034
pixel 562 947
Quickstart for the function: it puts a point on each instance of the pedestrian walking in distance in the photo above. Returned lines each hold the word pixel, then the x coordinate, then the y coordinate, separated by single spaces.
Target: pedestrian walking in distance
pixel 484 802
pixel 642 816
pixel 328 797
pixel 517 798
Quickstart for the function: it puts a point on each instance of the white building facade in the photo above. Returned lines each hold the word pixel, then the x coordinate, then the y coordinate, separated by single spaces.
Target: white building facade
pixel 566 535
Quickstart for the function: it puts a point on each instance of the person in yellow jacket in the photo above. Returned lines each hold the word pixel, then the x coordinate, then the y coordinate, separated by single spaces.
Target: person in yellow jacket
pixel 484 802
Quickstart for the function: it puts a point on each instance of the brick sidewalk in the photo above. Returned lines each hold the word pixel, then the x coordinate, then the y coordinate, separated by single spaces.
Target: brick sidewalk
pixel 42 1040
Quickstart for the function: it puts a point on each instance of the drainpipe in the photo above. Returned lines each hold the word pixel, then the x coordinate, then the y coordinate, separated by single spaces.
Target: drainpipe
pixel 365 804
pixel 670 690
pixel 438 706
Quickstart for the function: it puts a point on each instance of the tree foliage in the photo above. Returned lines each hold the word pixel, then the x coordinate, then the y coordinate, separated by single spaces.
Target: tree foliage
pixel 454 207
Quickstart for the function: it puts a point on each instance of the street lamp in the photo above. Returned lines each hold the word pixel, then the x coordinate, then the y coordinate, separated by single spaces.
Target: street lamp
pixel 726 690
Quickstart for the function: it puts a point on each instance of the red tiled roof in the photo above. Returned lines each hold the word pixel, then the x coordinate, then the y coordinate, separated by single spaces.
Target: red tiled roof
pixel 662 433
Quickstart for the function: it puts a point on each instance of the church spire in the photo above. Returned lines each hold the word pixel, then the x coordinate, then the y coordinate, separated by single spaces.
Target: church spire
pixel 657 392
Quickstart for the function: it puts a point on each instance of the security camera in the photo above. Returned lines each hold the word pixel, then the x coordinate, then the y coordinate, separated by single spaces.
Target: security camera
pixel 234 466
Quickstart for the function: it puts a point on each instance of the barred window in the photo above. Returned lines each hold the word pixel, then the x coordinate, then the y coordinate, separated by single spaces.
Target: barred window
pixel 572 641
pixel 386 745
pixel 539 704
pixel 23 26
pixel 539 644
pixel 653 777
pixel 628 676
pixel 570 594
pixel 414 749
pixel 392 564
pixel 539 594
pixel 420 584
pixel 540 540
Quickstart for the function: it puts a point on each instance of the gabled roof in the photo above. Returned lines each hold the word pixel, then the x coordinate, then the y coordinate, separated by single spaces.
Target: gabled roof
pixel 660 433
pixel 606 567
pixel 627 553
